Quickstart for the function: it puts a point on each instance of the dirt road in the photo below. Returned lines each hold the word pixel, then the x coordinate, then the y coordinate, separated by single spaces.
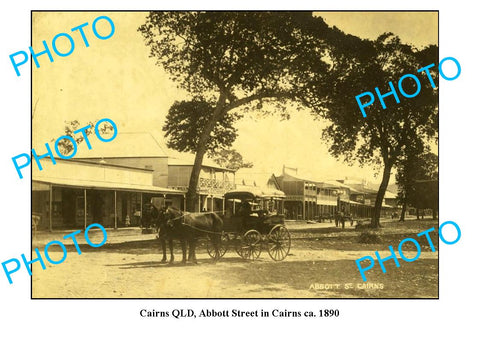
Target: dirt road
pixel 320 265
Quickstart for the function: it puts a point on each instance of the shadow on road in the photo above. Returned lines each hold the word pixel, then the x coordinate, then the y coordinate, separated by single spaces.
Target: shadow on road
pixel 178 263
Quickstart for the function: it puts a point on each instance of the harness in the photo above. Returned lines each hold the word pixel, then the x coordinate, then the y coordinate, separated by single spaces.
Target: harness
pixel 193 227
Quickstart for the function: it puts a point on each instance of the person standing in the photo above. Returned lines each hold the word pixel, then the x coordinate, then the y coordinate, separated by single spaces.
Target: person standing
pixel 342 217
pixel 245 211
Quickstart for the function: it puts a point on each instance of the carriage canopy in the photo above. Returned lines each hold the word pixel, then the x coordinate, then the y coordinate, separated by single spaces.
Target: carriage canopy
pixel 255 193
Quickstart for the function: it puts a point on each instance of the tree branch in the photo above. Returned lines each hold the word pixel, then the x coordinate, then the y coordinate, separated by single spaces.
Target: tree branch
pixel 258 96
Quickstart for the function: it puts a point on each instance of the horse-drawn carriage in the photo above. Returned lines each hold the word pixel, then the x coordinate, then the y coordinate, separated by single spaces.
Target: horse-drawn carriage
pixel 251 222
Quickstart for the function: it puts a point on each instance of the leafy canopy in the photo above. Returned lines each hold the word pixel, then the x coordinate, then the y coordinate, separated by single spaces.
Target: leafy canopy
pixel 384 133
pixel 246 57
pixel 237 53
pixel 186 120
pixel 417 167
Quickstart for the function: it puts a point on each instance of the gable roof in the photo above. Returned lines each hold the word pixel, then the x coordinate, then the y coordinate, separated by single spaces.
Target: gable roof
pixel 138 145
pixel 251 177
pixel 125 144
pixel 371 188
pixel 187 159
pixel 321 183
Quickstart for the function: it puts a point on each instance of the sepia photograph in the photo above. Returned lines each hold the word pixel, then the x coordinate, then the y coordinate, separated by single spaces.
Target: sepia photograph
pixel 234 154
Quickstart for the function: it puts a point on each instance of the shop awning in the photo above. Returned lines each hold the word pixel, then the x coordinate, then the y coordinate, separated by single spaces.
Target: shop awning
pixel 351 202
pixel 39 186
pixel 102 185
pixel 326 202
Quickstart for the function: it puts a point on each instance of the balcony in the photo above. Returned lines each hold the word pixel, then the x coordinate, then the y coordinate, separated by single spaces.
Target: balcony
pixel 299 198
pixel 214 186
pixel 326 198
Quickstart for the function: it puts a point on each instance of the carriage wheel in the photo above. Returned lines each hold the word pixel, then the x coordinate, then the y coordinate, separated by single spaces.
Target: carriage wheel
pixel 250 246
pixel 221 249
pixel 278 243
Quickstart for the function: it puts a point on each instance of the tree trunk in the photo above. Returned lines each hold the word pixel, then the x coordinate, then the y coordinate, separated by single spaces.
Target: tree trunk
pixel 380 195
pixel 194 176
pixel 200 152
pixel 434 213
pixel 418 213
pixel 404 210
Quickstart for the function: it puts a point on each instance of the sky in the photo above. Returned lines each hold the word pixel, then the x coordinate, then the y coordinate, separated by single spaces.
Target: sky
pixel 116 79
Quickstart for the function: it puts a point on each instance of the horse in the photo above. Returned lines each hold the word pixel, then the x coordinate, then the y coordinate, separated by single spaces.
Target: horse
pixel 188 227
pixel 166 231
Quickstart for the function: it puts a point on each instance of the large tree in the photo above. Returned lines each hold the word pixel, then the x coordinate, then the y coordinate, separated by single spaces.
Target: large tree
pixel 426 195
pixel 383 135
pixel 407 168
pixel 232 60
pixel 184 124
pixel 186 120
pixel 417 176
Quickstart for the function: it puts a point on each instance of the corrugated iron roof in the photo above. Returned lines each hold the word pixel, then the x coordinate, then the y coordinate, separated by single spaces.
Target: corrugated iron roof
pixel 251 176
pixel 91 184
pixel 321 183
pixel 125 144
pixel 188 160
